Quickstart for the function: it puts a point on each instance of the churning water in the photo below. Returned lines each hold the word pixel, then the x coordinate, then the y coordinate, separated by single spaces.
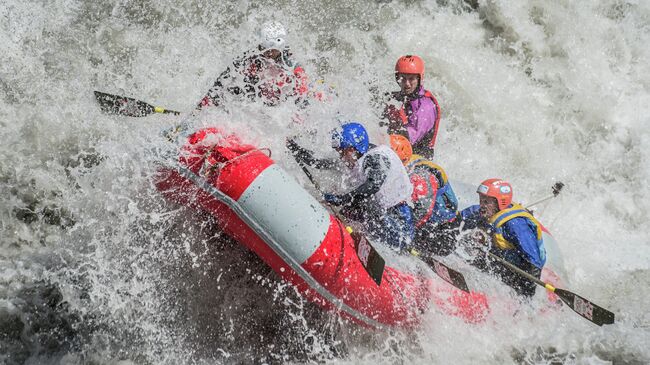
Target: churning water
pixel 95 267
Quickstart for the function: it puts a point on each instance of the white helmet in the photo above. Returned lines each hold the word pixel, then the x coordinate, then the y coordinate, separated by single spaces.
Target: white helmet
pixel 273 36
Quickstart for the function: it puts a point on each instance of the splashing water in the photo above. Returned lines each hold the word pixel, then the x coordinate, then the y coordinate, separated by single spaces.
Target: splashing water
pixel 98 268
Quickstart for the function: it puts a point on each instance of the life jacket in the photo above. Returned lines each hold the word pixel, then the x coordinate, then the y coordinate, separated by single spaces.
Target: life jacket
pixel 442 206
pixel 301 80
pixel 396 188
pixel 498 220
pixel 433 133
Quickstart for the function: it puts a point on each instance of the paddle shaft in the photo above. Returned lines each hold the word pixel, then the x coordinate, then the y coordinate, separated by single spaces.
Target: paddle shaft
pixel 520 271
pixel 540 201
pixel 310 177
pixel 446 273
pixel 557 188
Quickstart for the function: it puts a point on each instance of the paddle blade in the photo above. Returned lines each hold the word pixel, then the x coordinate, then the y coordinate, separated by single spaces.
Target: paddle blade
pixel 585 308
pixel 122 105
pixel 370 259
pixel 447 274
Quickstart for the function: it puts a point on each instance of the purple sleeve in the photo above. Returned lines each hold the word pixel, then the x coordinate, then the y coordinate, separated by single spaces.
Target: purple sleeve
pixel 422 118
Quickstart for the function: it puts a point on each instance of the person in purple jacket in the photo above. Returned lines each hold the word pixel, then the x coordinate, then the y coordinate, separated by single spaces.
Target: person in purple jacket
pixel 418 116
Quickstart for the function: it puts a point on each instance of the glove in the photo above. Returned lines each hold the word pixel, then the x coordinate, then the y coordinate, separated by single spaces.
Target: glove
pixel 291 144
pixel 391 113
pixel 481 239
pixel 295 149
pixel 333 199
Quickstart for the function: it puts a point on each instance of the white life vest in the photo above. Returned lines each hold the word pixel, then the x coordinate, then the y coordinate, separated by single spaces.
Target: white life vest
pixel 397 187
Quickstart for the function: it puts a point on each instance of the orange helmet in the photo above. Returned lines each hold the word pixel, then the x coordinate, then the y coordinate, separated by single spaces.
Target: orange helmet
pixel 401 146
pixel 498 189
pixel 410 64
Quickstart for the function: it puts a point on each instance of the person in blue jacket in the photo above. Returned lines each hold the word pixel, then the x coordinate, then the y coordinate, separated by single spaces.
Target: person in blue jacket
pixel 514 234
pixel 380 185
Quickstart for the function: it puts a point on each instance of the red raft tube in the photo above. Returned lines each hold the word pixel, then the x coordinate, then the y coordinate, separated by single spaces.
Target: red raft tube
pixel 263 208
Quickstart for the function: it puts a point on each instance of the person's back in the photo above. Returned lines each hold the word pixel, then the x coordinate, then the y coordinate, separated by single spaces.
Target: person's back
pixel 431 182
pixel 434 201
pixel 396 187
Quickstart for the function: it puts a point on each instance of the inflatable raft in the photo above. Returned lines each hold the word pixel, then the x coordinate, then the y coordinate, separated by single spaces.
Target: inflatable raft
pixel 262 207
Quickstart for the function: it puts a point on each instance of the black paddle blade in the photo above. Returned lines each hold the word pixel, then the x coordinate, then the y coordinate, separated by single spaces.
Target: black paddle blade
pixel 122 105
pixel 447 274
pixel 370 259
pixel 585 308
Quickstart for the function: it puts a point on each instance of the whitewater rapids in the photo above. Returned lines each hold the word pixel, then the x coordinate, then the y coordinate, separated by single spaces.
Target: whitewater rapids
pixel 95 267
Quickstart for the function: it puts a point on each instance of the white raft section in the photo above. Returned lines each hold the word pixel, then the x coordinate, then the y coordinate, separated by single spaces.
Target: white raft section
pixel 284 252
pixel 302 227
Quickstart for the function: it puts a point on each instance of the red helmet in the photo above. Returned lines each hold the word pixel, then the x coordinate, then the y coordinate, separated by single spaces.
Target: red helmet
pixel 498 189
pixel 410 64
pixel 401 146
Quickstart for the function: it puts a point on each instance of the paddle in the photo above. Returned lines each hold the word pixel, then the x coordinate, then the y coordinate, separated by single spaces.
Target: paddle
pixel 580 305
pixel 122 105
pixel 448 274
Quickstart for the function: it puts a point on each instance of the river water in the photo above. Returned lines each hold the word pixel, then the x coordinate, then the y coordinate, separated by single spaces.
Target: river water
pixel 96 268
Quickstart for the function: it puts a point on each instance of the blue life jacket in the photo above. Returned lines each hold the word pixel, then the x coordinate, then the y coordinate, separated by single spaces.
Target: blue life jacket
pixel 511 233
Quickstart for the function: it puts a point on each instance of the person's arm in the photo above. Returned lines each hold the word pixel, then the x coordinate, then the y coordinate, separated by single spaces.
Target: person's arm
pixel 517 230
pixel 470 216
pixel 213 96
pixel 305 156
pixel 375 168
pixel 393 114
pixel 215 93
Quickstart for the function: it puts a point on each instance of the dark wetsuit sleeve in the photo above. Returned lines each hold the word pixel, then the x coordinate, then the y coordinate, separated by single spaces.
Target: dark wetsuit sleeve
pixel 375 168
pixel 214 94
pixel 305 156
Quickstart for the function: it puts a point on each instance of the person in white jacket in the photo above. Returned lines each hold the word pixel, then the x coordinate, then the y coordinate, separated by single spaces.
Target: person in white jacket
pixel 382 188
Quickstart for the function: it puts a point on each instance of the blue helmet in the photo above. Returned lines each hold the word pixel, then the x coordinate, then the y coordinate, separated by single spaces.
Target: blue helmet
pixel 353 135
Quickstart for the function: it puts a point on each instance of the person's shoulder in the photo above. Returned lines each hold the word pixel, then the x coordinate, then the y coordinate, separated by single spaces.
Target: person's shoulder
pixel 426 97
pixel 517 224
pixel 375 154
